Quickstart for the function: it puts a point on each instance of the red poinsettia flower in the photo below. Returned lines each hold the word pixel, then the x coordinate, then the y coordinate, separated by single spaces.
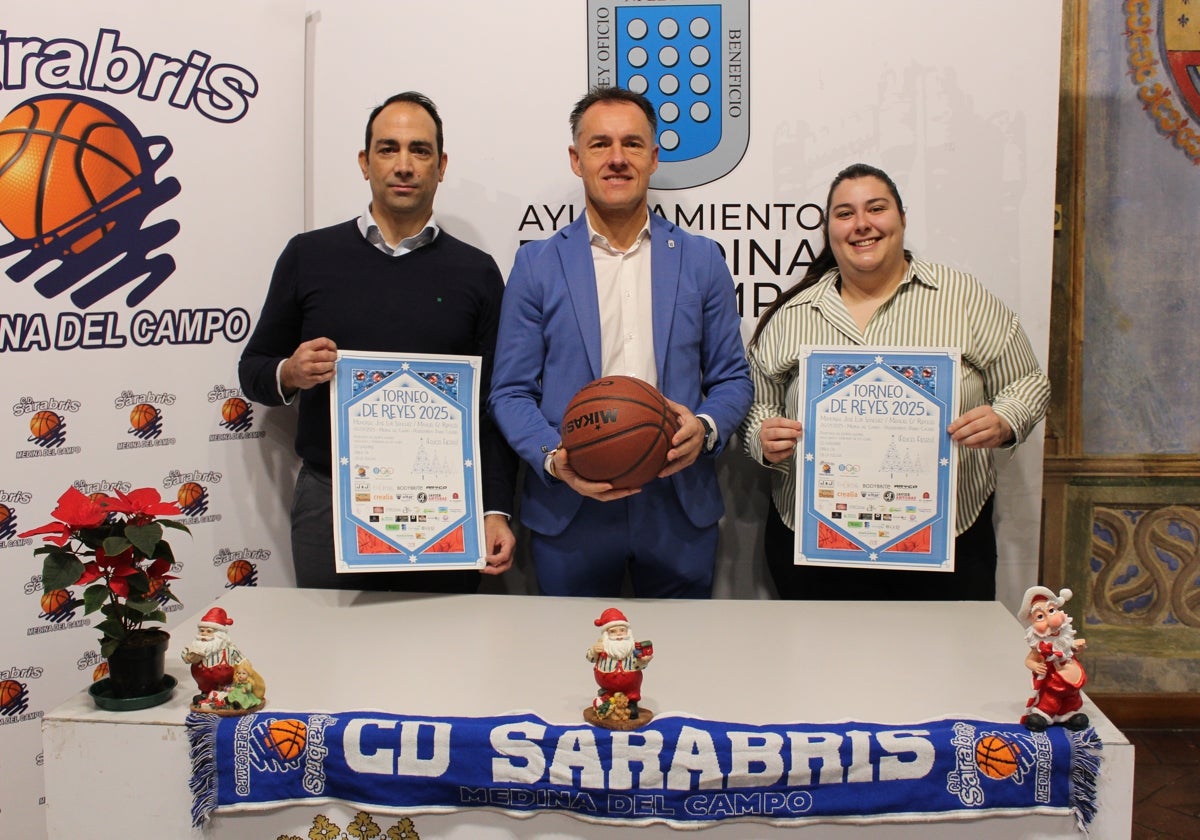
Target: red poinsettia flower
pixel 142 503
pixel 80 510
pixel 56 532
pixel 158 570
pixel 75 510
pixel 91 572
pixel 115 561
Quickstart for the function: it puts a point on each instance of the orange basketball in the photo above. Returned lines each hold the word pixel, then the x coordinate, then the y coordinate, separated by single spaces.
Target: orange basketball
pixel 43 423
pixel 189 493
pixel 54 600
pixel 61 158
pixel 618 429
pixel 10 690
pixel 239 571
pixel 142 415
pixel 5 514
pixel 100 671
pixel 996 756
pixel 234 409
pixel 287 738
pixel 154 586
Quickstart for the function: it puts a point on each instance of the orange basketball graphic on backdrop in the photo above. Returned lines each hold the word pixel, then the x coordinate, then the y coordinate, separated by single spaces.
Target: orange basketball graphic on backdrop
pixel 239 571
pixel 10 690
pixel 55 600
pixel 62 160
pixel 100 671
pixel 156 585
pixel 189 494
pixel 43 423
pixel 996 757
pixel 142 415
pixel 234 409
pixel 286 738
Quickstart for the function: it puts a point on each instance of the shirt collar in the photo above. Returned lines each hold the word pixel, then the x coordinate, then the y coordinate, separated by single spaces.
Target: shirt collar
pixel 371 232
pixel 601 241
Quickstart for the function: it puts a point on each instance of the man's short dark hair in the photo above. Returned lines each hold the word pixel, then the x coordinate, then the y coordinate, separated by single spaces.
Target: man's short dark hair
pixel 612 94
pixel 415 98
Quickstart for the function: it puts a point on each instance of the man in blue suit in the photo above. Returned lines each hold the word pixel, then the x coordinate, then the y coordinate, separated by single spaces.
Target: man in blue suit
pixel 620 291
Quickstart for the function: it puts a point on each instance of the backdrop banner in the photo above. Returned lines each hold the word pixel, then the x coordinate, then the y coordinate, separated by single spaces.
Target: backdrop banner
pixel 677 770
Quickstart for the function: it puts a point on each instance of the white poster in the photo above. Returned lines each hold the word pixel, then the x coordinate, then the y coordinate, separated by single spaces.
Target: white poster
pixel 150 163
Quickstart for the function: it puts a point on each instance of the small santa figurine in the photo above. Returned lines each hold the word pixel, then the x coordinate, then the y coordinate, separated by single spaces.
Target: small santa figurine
pixel 617 664
pixel 1057 675
pixel 213 657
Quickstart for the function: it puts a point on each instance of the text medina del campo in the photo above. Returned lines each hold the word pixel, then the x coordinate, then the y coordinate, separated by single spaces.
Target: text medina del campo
pixel 20 332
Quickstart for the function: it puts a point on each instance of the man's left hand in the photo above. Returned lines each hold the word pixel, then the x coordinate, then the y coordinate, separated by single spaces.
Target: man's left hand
pixel 500 543
pixel 981 428
pixel 687 443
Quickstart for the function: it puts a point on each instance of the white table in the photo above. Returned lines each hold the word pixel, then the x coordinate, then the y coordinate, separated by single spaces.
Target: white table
pixel 481 655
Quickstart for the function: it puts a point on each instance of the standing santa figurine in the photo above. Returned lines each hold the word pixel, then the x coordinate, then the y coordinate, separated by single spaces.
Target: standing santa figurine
pixel 213 657
pixel 1057 675
pixel 617 664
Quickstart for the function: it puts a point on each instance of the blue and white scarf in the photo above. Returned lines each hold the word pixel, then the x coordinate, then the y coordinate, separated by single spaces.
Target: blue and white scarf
pixel 677 770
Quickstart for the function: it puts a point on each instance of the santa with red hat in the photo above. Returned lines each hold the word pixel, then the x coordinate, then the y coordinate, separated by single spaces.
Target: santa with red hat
pixel 617 662
pixel 212 655
pixel 1057 675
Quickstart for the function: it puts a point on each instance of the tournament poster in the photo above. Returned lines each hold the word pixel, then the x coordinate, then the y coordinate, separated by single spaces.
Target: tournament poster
pixel 876 482
pixel 407 487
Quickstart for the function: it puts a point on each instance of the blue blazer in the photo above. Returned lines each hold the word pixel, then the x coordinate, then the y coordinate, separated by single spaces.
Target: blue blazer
pixel 548 348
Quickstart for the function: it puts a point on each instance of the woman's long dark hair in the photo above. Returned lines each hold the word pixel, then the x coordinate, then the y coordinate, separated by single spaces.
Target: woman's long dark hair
pixel 825 260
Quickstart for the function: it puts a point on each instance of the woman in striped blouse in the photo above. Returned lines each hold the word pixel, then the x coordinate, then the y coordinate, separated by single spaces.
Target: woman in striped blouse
pixel 866 289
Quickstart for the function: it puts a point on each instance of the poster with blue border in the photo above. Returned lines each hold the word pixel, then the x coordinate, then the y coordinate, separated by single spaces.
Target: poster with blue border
pixel 406 481
pixel 876 482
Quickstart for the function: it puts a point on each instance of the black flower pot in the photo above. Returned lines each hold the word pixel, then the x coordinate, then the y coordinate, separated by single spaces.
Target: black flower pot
pixel 136 667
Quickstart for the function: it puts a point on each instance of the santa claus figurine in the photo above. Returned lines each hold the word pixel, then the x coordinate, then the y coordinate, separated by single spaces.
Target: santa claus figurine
pixel 617 664
pixel 1057 675
pixel 213 657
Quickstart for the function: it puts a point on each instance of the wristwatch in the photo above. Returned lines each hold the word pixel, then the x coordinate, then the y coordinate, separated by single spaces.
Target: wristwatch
pixel 710 433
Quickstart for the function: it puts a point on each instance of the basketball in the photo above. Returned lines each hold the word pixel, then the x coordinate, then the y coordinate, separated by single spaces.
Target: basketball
pixel 54 600
pixel 189 494
pixel 61 158
pixel 234 409
pixel 43 423
pixel 142 415
pixel 618 429
pixel 239 571
pixel 100 671
pixel 10 690
pixel 996 757
pixel 5 514
pixel 286 738
pixel 154 586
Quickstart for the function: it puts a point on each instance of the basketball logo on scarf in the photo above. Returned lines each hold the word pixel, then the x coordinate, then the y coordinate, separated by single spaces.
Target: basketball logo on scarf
pixel 997 756
pixel 278 745
pixel 79 181
pixel 274 746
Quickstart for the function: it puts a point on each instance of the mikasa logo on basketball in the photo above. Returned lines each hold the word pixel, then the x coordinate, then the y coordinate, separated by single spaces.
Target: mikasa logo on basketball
pixel 591 418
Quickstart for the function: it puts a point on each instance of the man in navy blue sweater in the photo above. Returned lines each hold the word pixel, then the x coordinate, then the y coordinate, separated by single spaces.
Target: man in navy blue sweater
pixel 390 281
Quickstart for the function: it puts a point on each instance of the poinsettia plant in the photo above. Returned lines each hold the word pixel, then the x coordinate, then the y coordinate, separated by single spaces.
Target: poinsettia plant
pixel 114 546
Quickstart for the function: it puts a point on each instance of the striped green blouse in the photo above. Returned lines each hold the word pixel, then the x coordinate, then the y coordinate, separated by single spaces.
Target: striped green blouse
pixel 934 306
